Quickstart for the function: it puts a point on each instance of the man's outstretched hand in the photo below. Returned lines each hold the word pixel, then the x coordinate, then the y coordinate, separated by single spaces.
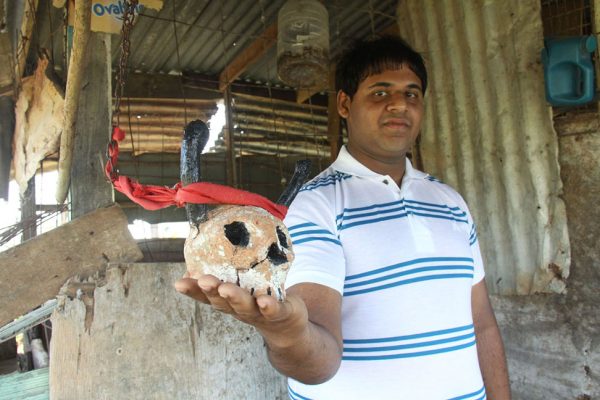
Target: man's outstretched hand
pixel 281 323
pixel 302 334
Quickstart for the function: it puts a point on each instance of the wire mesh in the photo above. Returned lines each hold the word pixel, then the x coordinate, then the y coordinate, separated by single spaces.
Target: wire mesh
pixel 564 18
pixel 567 17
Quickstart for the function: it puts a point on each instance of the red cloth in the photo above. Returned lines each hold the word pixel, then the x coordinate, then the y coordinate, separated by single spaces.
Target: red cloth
pixel 156 197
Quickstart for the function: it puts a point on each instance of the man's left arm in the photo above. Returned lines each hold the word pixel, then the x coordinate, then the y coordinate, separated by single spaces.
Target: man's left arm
pixel 490 349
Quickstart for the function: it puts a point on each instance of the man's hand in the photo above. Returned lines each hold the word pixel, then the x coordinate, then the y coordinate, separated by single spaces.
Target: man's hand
pixel 282 323
pixel 302 333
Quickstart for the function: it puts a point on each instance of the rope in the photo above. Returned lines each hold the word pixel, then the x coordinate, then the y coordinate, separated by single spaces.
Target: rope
pixel 153 197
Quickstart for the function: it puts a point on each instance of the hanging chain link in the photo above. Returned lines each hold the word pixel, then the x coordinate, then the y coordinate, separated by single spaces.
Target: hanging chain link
pixel 112 149
pixel 128 17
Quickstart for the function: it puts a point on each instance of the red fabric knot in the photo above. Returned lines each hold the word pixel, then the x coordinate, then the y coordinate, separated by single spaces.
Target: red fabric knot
pixel 118 134
pixel 153 197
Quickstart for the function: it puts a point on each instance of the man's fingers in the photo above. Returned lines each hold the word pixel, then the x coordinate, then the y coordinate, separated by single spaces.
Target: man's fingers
pixel 274 311
pixel 209 284
pixel 264 311
pixel 243 304
pixel 189 287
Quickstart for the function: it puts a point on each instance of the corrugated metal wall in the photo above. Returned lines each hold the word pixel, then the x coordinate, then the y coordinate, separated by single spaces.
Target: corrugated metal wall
pixel 488 133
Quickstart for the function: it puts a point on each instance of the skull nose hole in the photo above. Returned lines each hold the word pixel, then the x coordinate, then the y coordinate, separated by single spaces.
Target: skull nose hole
pixel 237 234
pixel 276 255
pixel 282 238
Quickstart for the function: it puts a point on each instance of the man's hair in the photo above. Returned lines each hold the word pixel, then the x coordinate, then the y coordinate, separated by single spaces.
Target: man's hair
pixel 369 57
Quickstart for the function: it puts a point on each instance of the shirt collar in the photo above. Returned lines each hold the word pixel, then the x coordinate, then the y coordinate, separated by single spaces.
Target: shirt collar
pixel 346 163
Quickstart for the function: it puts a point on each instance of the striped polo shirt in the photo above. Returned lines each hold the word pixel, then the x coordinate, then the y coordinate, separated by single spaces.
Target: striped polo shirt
pixel 404 259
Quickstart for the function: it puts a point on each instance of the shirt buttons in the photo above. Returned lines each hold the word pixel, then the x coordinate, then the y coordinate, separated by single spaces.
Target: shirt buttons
pixel 386 181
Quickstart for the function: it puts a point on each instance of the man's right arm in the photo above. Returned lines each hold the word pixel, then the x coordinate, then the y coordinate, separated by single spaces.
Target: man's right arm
pixel 315 357
pixel 302 334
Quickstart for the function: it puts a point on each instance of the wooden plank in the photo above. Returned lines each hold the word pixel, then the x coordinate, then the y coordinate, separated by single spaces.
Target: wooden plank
pixel 33 272
pixel 131 335
pixel 89 187
pixel 250 54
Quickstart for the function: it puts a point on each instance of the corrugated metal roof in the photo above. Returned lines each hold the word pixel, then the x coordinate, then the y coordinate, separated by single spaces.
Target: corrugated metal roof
pixel 205 36
pixel 488 132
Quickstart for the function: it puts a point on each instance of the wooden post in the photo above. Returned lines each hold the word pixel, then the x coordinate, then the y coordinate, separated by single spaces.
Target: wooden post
pixel 229 139
pixel 89 187
pixel 28 211
pixel 7 128
pixel 130 335
pixel 333 127
pixel 75 76
pixel 7 69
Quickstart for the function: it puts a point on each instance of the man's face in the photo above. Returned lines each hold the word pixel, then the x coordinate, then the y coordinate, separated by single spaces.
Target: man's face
pixel 383 117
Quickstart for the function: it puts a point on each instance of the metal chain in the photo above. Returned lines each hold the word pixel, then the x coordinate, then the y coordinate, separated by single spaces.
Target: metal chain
pixel 128 17
pixel 112 149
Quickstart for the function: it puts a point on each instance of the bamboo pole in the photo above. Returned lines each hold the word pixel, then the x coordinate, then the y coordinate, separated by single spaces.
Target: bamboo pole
pixel 24 40
pixel 74 79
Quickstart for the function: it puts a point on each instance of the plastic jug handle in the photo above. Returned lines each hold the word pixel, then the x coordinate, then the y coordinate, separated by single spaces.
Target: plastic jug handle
pixel 587 84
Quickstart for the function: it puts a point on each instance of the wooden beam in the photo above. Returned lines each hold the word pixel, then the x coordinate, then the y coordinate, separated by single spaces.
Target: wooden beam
pixel 306 93
pixel 250 54
pixel 75 76
pixel 33 272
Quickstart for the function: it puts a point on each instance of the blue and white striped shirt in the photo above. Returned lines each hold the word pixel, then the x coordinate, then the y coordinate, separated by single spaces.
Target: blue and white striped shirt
pixel 404 259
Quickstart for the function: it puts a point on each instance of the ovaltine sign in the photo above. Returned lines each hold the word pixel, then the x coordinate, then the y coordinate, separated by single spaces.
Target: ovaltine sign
pixel 107 15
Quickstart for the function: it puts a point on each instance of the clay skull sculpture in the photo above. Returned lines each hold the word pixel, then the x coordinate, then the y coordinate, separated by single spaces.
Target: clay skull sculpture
pixel 239 244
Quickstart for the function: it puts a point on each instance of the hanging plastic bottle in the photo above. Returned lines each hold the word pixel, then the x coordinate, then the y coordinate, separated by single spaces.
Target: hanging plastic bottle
pixel 303 44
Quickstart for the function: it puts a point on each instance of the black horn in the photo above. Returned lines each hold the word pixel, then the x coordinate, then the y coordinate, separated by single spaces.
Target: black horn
pixel 195 137
pixel 300 174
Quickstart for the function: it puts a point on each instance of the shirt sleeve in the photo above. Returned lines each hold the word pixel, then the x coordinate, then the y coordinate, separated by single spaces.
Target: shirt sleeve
pixel 479 272
pixel 318 253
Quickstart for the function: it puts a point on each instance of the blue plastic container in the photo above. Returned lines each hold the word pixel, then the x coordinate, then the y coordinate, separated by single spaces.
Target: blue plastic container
pixel 568 70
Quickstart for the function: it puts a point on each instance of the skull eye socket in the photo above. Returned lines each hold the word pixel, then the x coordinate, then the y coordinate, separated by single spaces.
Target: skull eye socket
pixel 237 234
pixel 282 238
pixel 276 255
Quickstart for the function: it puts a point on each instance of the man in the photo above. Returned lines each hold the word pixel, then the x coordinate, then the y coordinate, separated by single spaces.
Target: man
pixel 386 297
